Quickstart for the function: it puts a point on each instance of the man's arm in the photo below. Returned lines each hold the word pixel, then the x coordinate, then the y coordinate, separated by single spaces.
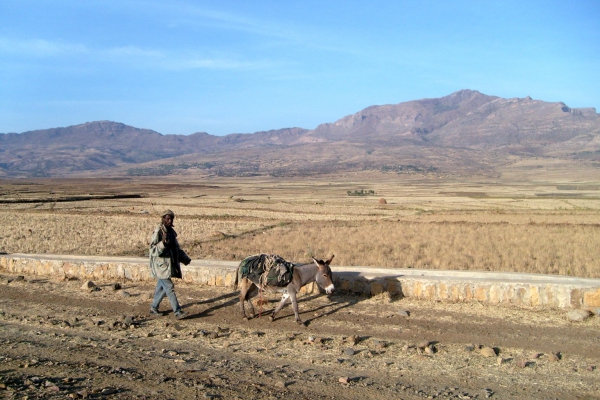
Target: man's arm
pixel 157 247
pixel 184 258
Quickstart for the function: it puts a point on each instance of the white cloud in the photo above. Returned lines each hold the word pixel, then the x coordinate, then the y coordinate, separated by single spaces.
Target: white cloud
pixel 178 61
pixel 132 52
pixel 182 14
pixel 128 56
pixel 187 63
pixel 40 48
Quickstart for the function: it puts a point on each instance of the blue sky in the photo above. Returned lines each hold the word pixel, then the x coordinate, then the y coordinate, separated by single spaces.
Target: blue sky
pixel 180 67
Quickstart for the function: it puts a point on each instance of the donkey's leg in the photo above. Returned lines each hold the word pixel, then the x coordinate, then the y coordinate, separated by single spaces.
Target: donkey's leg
pixel 295 307
pixel 243 294
pixel 279 306
pixel 251 292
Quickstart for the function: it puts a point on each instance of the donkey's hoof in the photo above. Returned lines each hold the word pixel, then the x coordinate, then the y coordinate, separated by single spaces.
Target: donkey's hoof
pixel 245 318
pixel 271 318
pixel 301 323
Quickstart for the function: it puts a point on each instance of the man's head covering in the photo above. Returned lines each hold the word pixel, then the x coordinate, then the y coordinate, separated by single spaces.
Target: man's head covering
pixel 167 212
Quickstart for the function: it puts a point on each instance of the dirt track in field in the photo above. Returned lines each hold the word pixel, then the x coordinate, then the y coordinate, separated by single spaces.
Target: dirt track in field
pixel 59 341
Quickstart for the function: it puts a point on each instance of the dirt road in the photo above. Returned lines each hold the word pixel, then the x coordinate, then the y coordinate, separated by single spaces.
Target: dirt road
pixel 61 341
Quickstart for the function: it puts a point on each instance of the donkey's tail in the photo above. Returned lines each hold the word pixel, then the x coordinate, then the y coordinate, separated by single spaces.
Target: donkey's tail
pixel 237 277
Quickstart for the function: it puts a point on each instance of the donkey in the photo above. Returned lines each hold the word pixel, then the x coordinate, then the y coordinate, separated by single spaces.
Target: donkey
pixel 319 272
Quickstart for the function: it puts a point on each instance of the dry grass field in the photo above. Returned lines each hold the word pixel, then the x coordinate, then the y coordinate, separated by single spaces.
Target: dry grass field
pixel 550 227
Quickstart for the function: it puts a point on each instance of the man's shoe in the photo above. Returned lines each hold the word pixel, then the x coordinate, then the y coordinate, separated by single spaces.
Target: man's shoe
pixel 154 311
pixel 181 315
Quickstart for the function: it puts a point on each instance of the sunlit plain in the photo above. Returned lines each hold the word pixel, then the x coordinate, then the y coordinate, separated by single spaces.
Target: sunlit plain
pixel 423 223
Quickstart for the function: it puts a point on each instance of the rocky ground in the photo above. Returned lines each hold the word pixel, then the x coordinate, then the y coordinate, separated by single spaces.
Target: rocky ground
pixel 59 340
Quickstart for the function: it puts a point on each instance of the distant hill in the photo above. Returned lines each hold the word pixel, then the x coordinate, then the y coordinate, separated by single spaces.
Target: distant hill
pixel 466 132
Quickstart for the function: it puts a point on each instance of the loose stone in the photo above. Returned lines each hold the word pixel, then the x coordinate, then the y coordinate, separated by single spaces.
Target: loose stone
pixel 88 285
pixel 487 351
pixel 522 363
pixel 423 344
pixel 578 315
pixel 280 384
pixel 553 357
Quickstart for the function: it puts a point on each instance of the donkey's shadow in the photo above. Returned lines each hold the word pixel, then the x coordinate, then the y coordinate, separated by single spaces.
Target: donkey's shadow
pixel 332 308
pixel 337 303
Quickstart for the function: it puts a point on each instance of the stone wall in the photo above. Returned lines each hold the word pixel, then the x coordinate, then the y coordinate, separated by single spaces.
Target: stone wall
pixel 449 286
pixel 551 295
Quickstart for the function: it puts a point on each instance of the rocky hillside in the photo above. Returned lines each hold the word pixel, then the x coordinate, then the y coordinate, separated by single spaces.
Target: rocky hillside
pixel 464 132
pixel 469 119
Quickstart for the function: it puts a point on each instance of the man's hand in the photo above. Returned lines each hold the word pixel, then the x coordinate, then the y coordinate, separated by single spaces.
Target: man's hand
pixel 165 236
pixel 184 258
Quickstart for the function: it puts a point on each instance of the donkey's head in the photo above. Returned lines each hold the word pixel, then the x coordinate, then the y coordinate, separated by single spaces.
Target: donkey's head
pixel 324 276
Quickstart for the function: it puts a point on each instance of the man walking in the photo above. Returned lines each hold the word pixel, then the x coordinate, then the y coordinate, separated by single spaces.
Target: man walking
pixel 165 256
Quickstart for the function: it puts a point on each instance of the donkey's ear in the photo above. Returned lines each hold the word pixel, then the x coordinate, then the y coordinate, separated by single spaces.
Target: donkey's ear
pixel 330 258
pixel 316 261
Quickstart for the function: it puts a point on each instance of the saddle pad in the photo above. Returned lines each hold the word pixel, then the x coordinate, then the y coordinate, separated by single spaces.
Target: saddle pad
pixel 267 269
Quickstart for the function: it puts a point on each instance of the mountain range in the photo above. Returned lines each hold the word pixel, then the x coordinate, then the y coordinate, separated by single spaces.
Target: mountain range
pixel 466 132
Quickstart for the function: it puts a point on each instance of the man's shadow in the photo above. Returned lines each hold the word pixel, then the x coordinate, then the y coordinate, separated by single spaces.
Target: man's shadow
pixel 232 298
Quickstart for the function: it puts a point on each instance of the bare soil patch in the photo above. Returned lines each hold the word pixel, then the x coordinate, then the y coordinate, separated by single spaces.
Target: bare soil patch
pixel 59 341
